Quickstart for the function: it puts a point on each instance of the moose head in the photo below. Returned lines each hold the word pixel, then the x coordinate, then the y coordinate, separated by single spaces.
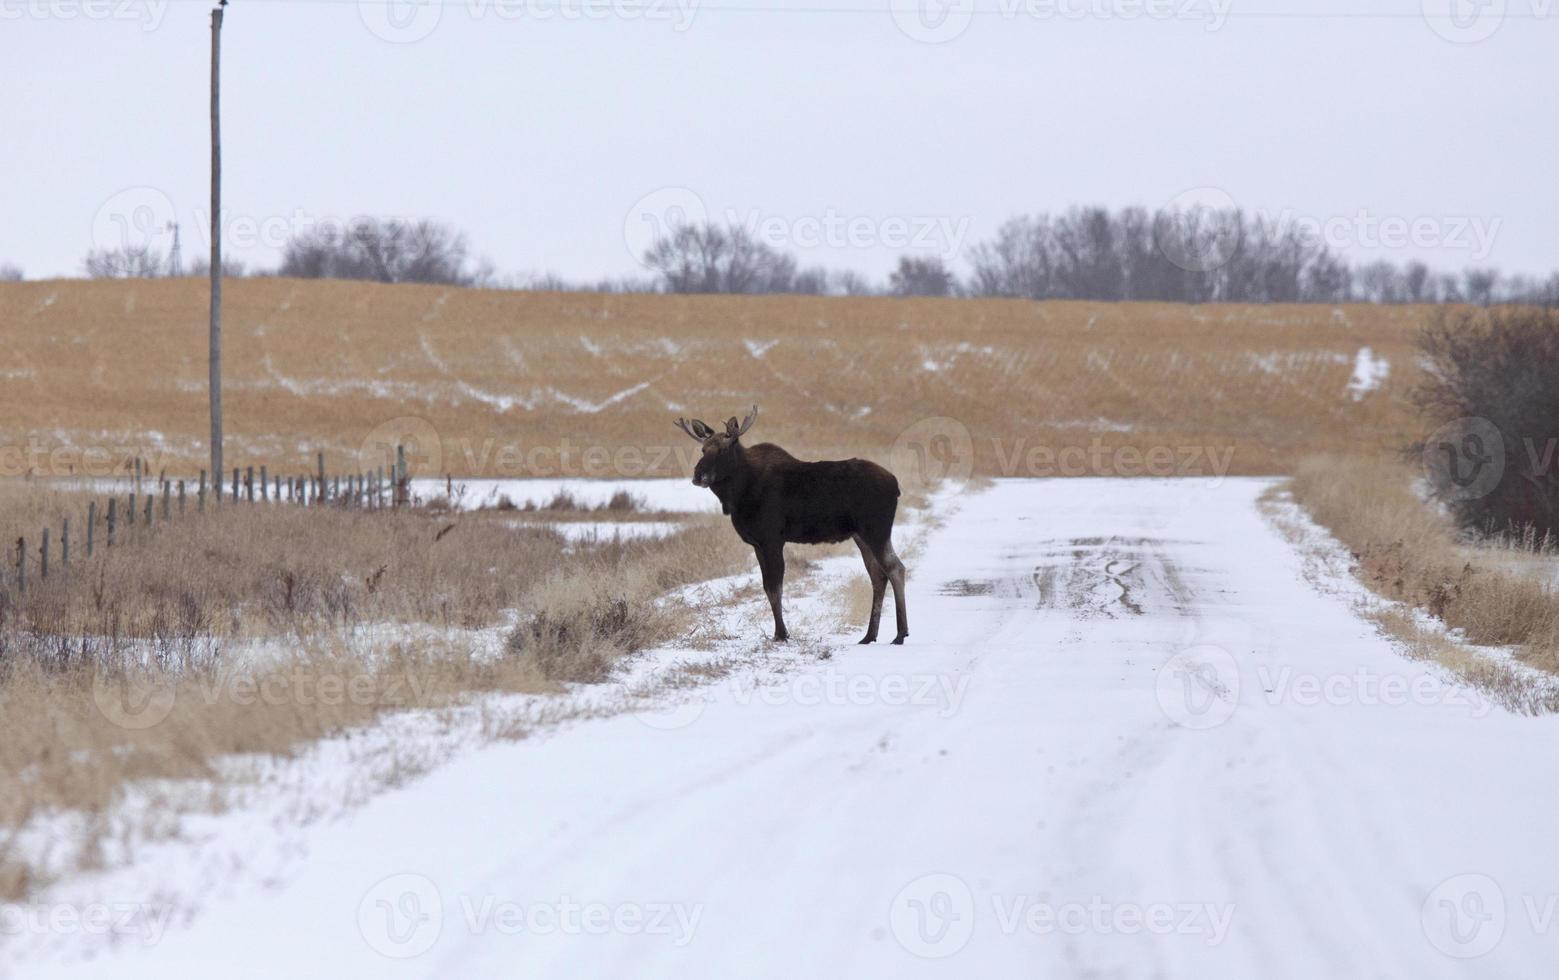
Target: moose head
pixel 722 456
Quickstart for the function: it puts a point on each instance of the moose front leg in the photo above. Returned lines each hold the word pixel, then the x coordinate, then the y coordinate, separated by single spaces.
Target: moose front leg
pixel 771 561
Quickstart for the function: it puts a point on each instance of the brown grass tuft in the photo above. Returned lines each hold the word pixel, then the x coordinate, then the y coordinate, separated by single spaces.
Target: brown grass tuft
pixel 1410 551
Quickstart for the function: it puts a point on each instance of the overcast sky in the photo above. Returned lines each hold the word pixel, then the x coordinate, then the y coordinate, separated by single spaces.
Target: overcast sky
pixel 836 129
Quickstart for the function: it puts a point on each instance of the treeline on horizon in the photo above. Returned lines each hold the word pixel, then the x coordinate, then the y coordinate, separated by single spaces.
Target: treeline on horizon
pixel 1087 253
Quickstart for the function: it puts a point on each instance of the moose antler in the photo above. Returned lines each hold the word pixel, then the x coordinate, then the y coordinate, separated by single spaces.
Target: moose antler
pixel 697 429
pixel 738 430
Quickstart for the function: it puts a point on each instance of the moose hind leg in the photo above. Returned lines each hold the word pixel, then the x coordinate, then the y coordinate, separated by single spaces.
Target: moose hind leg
pixel 895 569
pixel 879 579
pixel 771 561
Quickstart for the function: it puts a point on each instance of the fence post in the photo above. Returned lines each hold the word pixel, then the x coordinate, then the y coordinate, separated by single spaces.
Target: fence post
pixel 64 542
pixel 400 475
pixel 236 498
pixel 181 498
pixel 43 557
pixel 319 462
pixel 137 472
pixel 167 502
pixel 21 565
pixel 265 482
pixel 130 513
pixel 148 511
pixel 111 502
pixel 91 524
pixel 200 504
pixel 276 488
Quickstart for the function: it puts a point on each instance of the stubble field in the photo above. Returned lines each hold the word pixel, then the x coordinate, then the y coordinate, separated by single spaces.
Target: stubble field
pixel 510 384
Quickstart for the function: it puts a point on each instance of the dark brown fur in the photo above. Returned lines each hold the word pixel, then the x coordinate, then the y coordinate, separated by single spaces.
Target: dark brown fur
pixel 774 498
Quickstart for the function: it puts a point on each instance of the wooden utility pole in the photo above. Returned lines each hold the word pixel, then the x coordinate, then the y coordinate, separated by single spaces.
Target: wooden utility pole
pixel 216 241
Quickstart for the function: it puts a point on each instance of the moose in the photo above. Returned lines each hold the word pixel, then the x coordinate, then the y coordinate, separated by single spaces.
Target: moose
pixel 773 498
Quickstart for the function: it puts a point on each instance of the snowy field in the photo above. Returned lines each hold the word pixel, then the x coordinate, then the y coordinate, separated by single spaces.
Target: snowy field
pixel 1127 737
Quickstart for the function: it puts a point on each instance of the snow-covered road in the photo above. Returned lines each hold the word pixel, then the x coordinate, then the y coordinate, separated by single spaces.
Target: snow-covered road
pixel 1126 738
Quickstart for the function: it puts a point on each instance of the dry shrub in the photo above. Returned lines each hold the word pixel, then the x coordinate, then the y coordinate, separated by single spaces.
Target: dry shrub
pixel 247 570
pixel 1497 367
pixel 1407 550
pixel 623 502
pixel 580 622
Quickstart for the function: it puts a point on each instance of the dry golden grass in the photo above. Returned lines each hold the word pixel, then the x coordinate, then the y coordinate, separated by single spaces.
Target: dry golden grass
pixel 508 379
pixel 594 613
pixel 1407 550
pixel 255 629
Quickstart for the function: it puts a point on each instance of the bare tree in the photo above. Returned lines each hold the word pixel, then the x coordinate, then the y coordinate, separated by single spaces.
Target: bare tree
pixel 383 250
pixel 125 262
pixel 1480 285
pixel 1019 262
pixel 11 273
pixel 1381 282
pixel 1417 286
pixel 712 258
pixel 920 277
pixel 231 268
pixel 812 281
pixel 852 283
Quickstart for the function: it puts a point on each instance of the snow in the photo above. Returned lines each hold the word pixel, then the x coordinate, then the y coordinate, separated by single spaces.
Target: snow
pixel 575 531
pixel 590 408
pixel 1127 737
pixel 1369 372
pixel 676 495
